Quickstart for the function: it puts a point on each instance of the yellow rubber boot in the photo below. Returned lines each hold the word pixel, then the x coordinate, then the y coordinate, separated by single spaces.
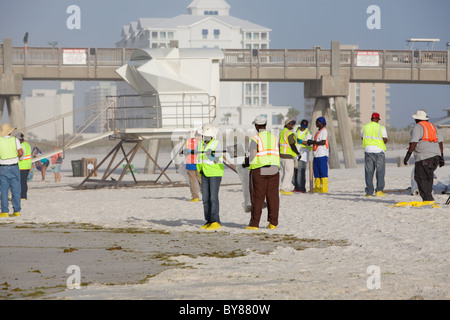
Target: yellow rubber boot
pixel 316 185
pixel 324 188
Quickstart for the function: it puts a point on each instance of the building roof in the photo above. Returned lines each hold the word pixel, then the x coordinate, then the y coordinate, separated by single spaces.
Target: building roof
pixel 209 4
pixel 186 20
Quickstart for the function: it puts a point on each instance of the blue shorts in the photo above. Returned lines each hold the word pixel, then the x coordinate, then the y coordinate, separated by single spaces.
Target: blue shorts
pixel 320 167
pixel 57 168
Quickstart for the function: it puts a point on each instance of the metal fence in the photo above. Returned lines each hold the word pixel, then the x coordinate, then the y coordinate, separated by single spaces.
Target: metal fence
pixel 240 57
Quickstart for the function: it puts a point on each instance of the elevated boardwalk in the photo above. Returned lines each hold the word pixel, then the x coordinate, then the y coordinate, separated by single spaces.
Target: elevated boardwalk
pixel 292 65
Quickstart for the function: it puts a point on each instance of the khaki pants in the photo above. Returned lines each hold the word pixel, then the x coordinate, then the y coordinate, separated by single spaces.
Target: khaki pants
pixel 194 183
pixel 286 174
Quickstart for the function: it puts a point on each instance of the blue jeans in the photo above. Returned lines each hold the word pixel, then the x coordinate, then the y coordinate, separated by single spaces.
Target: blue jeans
pixel 299 178
pixel 210 195
pixel 10 179
pixel 374 162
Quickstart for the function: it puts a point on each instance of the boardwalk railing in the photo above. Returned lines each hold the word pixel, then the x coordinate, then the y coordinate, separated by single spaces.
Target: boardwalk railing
pixel 101 63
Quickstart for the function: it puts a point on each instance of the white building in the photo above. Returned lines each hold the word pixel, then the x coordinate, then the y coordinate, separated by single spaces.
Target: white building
pixel 209 24
pixel 42 105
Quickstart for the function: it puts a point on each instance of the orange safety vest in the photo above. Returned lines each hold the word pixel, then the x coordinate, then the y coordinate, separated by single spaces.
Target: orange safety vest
pixel 191 144
pixel 327 145
pixel 429 132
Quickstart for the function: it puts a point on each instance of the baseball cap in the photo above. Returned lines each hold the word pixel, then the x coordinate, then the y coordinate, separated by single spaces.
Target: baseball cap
pixel 20 136
pixel 375 115
pixel 322 119
pixel 260 120
pixel 304 123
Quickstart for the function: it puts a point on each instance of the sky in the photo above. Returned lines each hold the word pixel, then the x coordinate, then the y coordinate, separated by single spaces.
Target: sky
pixel 295 24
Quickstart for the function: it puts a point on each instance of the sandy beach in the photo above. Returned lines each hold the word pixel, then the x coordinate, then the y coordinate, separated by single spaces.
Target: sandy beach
pixel 145 242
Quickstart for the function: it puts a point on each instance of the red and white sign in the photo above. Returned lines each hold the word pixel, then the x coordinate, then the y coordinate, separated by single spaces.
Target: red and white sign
pixel 74 56
pixel 367 59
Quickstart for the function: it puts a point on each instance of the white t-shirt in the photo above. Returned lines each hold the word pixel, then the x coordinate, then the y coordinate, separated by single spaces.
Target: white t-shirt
pixel 322 151
pixel 14 160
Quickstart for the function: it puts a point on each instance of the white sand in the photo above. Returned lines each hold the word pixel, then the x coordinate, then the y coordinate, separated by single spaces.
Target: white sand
pixel 409 245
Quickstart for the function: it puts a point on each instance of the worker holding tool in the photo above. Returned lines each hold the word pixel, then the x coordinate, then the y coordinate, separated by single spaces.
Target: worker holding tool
pixel 210 167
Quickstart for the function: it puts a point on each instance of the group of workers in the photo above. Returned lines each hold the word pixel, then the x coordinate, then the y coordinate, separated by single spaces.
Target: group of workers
pixel 15 166
pixel 277 165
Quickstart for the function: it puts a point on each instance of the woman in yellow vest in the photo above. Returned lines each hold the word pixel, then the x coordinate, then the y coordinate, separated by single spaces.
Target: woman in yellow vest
pixel 24 165
pixel 374 138
pixel 210 168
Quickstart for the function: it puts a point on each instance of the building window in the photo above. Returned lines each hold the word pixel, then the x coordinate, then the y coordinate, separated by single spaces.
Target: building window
pixel 256 36
pixel 264 36
pixel 248 36
pixel 216 33
pixel 162 35
pixel 205 33
pixel 264 89
pixel 154 35
pixel 248 101
pixel 211 13
pixel 170 35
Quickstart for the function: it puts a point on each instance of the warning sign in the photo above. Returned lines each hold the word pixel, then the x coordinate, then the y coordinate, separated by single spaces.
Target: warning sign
pixel 367 59
pixel 74 56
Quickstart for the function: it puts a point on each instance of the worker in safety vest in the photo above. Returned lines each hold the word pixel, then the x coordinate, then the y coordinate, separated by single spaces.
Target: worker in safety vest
pixel 288 151
pixel 427 145
pixel 374 137
pixel 10 152
pixel 264 168
pixel 321 152
pixel 303 135
pixel 210 167
pixel 24 165
pixel 190 151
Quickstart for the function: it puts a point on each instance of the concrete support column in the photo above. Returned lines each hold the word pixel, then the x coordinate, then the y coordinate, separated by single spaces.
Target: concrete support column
pixel 15 110
pixel 11 88
pixel 2 105
pixel 340 104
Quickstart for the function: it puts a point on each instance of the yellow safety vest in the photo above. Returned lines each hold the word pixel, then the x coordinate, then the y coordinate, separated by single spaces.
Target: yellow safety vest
pixel 301 135
pixel 25 163
pixel 285 148
pixel 268 153
pixel 207 166
pixel 8 148
pixel 373 135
